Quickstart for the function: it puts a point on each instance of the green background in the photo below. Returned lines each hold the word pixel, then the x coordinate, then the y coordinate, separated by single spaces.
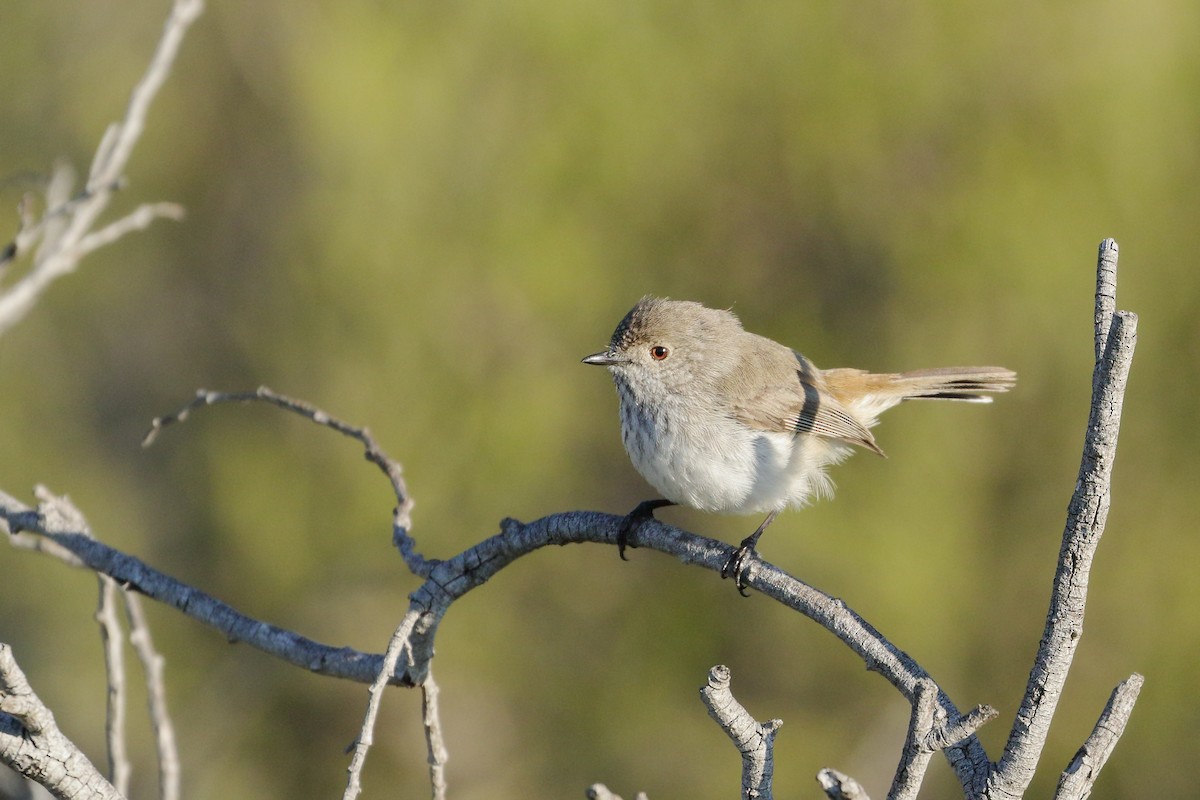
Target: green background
pixel 420 216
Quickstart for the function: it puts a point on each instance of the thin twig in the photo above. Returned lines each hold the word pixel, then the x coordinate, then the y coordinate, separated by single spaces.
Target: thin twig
pixel 391 468
pixel 136 220
pixel 111 635
pixel 114 153
pixel 66 228
pixel 598 791
pixel 399 644
pixel 156 697
pixel 435 743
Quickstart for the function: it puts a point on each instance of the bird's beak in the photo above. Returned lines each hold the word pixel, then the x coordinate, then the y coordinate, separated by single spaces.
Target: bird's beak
pixel 605 358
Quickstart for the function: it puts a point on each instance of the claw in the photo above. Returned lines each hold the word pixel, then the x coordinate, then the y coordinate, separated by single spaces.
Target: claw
pixel 735 567
pixel 633 520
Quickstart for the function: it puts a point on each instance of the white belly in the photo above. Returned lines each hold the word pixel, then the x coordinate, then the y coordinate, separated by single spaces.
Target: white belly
pixel 721 465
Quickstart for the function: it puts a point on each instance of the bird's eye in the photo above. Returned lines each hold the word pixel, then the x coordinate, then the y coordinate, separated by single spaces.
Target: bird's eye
pixel 658 352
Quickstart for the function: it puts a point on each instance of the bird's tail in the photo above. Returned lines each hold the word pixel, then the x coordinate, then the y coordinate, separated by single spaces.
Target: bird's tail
pixel 870 394
pixel 972 384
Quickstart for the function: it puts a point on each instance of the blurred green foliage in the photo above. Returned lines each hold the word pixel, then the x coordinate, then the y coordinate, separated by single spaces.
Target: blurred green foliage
pixel 421 215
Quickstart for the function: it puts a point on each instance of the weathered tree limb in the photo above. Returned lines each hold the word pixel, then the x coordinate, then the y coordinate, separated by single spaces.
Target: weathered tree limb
pixel 1115 337
pixel 929 731
pixel 754 740
pixel 32 744
pixel 1077 779
pixel 840 786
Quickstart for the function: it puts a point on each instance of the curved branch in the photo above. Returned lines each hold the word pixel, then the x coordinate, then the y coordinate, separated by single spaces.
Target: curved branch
pixel 391 468
pixel 450 579
pixel 338 662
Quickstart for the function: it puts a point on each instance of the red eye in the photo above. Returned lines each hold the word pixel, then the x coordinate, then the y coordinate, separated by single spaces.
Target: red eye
pixel 658 352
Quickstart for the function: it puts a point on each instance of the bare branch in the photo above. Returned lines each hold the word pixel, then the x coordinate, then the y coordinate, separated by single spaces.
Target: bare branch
pixel 32 744
pixel 65 230
pixel 402 516
pixel 118 143
pixel 915 757
pixel 400 643
pixel 112 637
pixel 434 742
pixel 1116 335
pixel 1106 293
pixel 1077 779
pixel 339 662
pixel 156 697
pixel 754 740
pixel 840 786
pixel 136 220
pixel 928 732
pixel 967 756
pixel 454 577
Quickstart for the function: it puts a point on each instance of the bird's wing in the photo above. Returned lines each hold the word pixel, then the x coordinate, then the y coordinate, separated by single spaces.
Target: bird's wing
pixel 800 404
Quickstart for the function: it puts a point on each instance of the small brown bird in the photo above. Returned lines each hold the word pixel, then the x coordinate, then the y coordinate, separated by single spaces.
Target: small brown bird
pixel 723 420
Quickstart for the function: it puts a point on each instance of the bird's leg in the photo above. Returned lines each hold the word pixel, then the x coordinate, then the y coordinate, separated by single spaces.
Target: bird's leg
pixel 633 520
pixel 736 565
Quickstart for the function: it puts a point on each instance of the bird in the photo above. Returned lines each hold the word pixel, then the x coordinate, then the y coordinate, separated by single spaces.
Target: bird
pixel 723 420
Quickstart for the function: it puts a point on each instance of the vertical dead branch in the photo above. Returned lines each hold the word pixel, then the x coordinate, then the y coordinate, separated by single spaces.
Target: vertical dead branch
pixel 915 757
pixel 754 740
pixel 436 745
pixel 114 668
pixel 156 697
pixel 1115 335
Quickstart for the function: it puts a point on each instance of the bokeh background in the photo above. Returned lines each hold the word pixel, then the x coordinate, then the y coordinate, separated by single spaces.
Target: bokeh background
pixel 420 216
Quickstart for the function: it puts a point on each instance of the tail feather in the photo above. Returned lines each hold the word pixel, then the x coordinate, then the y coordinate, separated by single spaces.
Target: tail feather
pixel 954 383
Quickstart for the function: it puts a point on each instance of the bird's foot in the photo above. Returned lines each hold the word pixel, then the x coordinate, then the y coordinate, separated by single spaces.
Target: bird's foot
pixel 737 564
pixel 633 520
